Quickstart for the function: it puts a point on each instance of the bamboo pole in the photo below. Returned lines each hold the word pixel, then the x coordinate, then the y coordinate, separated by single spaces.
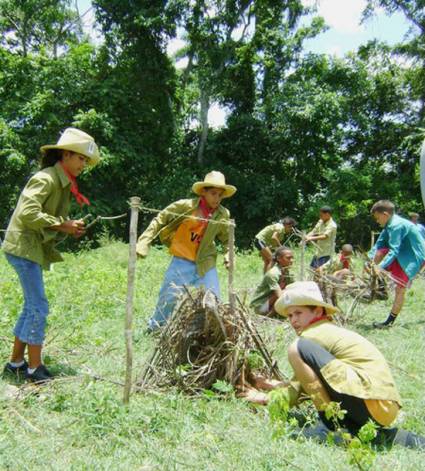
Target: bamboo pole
pixel 128 333
pixel 232 296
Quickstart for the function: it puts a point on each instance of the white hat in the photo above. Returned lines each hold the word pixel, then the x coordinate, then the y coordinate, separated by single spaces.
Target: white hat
pixel 77 141
pixel 302 293
pixel 214 179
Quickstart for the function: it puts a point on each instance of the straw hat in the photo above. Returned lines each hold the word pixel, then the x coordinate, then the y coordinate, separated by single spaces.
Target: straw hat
pixel 77 141
pixel 216 180
pixel 302 293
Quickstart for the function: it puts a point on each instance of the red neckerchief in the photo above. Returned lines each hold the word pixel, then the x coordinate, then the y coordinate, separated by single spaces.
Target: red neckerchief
pixel 322 317
pixel 207 213
pixel 345 261
pixel 80 198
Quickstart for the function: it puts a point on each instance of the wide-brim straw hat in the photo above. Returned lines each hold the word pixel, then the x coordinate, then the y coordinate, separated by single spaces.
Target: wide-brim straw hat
pixel 214 179
pixel 77 141
pixel 302 293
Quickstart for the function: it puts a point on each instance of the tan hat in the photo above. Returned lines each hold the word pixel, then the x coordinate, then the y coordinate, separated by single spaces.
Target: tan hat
pixel 216 180
pixel 76 141
pixel 302 293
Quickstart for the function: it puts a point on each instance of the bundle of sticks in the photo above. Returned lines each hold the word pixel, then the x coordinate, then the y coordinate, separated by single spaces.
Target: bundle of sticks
pixel 206 341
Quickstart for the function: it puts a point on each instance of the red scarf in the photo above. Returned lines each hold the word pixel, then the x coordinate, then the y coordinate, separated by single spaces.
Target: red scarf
pixel 345 261
pixel 80 198
pixel 206 211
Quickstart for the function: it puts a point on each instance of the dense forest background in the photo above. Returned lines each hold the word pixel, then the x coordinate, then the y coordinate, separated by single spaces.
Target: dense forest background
pixel 303 129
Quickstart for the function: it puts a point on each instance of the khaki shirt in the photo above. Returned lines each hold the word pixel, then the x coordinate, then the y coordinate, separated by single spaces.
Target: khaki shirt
pixel 265 235
pixel 325 247
pixel 168 220
pixel 273 279
pixel 359 368
pixel 44 202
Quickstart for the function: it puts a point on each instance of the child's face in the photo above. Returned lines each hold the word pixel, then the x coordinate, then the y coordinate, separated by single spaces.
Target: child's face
pixel 286 259
pixel 324 216
pixel 74 163
pixel 288 228
pixel 300 316
pixel 346 254
pixel 381 218
pixel 213 196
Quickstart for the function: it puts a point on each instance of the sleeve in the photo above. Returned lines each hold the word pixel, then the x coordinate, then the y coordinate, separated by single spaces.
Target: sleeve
pixel 271 281
pixel 223 235
pixel 164 217
pixel 329 229
pixel 33 197
pixel 395 237
pixel 380 243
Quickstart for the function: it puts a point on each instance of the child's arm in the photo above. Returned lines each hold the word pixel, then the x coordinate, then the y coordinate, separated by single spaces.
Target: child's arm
pixel 35 193
pixel 164 217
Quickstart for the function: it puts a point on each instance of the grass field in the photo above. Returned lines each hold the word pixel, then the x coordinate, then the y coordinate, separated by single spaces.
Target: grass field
pixel 80 423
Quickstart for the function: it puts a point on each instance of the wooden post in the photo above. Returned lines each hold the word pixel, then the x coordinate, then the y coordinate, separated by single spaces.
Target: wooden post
pixel 128 333
pixel 232 296
pixel 302 264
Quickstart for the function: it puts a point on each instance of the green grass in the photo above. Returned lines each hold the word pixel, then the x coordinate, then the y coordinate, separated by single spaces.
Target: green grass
pixel 79 423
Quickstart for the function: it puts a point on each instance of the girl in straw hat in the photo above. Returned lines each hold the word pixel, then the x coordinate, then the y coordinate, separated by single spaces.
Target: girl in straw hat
pixel 40 215
pixel 331 363
pixel 189 228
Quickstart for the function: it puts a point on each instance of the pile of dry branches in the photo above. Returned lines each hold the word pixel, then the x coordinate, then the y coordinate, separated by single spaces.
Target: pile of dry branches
pixel 203 342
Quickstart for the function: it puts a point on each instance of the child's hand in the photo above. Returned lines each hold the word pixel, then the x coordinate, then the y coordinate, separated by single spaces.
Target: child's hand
pixel 142 250
pixel 73 227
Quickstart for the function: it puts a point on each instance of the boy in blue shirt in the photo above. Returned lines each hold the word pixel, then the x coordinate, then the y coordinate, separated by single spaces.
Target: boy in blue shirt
pixel 400 250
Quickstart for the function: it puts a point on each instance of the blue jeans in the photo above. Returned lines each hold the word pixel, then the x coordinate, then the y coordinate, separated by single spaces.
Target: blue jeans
pixel 31 325
pixel 180 272
pixel 319 261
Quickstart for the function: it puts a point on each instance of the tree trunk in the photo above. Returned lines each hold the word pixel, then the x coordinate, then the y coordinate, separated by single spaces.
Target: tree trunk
pixel 203 118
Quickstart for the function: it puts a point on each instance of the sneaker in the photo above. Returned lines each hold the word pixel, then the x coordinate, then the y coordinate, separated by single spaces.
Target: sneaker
pixel 16 370
pixel 381 325
pixel 40 375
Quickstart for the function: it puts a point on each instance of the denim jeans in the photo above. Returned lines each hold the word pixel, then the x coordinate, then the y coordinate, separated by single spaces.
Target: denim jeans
pixel 31 325
pixel 180 272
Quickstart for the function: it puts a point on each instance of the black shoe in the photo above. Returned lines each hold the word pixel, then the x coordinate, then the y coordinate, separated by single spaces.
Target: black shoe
pixel 16 370
pixel 381 325
pixel 40 375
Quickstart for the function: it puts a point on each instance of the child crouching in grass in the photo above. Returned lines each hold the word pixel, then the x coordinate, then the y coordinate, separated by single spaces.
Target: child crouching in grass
pixel 41 213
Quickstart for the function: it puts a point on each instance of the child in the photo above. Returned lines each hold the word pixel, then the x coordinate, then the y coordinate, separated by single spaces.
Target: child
pixel 400 250
pixel 331 363
pixel 271 236
pixel 340 267
pixel 273 282
pixel 190 241
pixel 30 240
pixel 324 235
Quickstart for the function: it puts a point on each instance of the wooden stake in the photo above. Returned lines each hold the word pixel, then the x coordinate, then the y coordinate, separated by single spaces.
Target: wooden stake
pixel 232 296
pixel 128 333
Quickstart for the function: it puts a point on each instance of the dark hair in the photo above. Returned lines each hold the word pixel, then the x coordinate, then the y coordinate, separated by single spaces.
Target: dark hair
pixel 326 209
pixel 279 252
pixel 50 157
pixel 383 206
pixel 288 221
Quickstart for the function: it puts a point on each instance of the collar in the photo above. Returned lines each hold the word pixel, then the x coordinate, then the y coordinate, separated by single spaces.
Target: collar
pixel 62 176
pixel 316 322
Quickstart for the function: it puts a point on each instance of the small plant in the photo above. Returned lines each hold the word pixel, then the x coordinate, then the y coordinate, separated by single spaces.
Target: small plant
pixel 223 387
pixel 278 408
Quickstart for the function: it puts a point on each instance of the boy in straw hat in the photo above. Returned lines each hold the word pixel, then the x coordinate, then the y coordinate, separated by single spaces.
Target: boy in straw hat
pixel 331 363
pixel 41 213
pixel 189 228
